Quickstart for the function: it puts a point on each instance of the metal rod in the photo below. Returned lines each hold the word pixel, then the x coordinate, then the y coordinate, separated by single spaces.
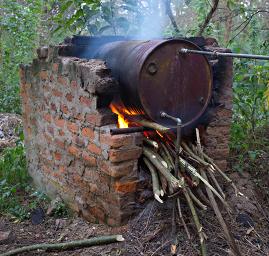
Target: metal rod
pixel 225 54
pixel 178 141
pixel 117 131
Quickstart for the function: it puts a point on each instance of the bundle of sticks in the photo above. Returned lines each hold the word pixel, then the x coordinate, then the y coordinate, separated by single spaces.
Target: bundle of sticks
pixel 195 181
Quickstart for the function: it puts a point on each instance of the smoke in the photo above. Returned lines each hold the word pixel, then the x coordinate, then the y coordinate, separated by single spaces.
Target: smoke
pixel 153 20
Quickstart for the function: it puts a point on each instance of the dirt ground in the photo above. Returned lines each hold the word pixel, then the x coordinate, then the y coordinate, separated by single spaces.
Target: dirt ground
pixel 149 233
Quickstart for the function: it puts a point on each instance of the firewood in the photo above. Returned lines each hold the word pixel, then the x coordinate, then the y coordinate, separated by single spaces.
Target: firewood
pixel 157 162
pixel 155 181
pixel 196 222
pixel 215 207
pixel 67 245
pixel 151 143
pixel 193 171
pixel 182 219
pixel 210 160
pixel 221 220
pixel 196 200
pixel 147 123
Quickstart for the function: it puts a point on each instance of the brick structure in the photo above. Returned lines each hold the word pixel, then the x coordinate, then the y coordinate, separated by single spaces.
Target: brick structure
pixel 70 151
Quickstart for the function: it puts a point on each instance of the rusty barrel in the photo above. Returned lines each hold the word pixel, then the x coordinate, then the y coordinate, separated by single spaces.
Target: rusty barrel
pixel 154 76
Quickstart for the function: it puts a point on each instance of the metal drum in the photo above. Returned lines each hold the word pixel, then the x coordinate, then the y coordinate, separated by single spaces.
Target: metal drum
pixel 155 77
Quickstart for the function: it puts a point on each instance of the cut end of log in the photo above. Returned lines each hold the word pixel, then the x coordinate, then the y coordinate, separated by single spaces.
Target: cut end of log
pixel 120 238
pixel 158 198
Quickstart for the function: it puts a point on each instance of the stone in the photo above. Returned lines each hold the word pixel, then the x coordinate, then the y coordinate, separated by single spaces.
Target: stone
pixel 5 236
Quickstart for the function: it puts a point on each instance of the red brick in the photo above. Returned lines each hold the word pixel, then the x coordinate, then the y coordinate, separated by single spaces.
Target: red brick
pixel 64 109
pixel 72 127
pixel 47 117
pixel 74 84
pixel 62 169
pixel 124 155
pixel 69 97
pixel 43 75
pixel 73 150
pixel 98 213
pixel 92 118
pixel 61 133
pixel 117 141
pixel 94 149
pixel 101 119
pixel 55 67
pixel 88 132
pixel 53 107
pixel 47 137
pixel 57 93
pixel 80 117
pixel 89 159
pixel 77 140
pixel 62 80
pixel 125 187
pixel 46 169
pixel 50 130
pixel 51 78
pixel 85 101
pixel 60 143
pixel 59 122
pixel 57 156
pixel 117 170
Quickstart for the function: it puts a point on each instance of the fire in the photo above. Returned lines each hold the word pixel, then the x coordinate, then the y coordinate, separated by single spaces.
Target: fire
pixel 122 122
pixel 123 113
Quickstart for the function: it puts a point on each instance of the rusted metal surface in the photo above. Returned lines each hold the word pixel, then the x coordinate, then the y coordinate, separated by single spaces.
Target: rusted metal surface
pixel 155 77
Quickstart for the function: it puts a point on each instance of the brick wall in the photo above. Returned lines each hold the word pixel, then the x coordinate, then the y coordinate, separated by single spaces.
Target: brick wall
pixel 69 149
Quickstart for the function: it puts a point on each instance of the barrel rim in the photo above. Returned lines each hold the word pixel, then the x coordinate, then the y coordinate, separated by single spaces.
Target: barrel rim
pixel 203 110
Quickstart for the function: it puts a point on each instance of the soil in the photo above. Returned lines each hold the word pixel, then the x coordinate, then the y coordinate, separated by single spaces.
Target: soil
pixel 149 233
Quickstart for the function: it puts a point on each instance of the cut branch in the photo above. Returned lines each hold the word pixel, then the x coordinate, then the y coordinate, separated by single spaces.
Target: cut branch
pixel 68 245
pixel 155 181
pixel 157 162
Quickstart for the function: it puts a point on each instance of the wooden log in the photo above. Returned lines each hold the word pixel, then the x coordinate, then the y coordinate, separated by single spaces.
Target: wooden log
pixel 157 162
pixel 151 143
pixel 67 245
pixel 155 181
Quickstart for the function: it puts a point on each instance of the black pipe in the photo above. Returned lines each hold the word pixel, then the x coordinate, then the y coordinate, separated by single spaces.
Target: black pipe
pixel 226 54
pixel 117 131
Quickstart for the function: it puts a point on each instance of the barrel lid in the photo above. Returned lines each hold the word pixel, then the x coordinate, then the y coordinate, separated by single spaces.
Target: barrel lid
pixel 176 83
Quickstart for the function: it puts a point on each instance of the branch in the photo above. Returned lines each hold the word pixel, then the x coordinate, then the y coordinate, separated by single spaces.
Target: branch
pixel 167 4
pixel 246 22
pixel 68 245
pixel 208 17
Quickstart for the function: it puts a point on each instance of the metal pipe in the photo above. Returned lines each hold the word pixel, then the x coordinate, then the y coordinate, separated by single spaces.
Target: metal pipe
pixel 178 141
pixel 225 54
pixel 118 131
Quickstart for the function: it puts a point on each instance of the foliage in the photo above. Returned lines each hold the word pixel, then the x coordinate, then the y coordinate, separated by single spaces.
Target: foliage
pixel 17 196
pixel 18 38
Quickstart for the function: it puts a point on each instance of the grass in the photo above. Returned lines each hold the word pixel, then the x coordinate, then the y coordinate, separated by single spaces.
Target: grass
pixel 18 197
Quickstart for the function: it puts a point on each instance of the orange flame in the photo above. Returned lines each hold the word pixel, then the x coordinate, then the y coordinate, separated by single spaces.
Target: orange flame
pixel 122 122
